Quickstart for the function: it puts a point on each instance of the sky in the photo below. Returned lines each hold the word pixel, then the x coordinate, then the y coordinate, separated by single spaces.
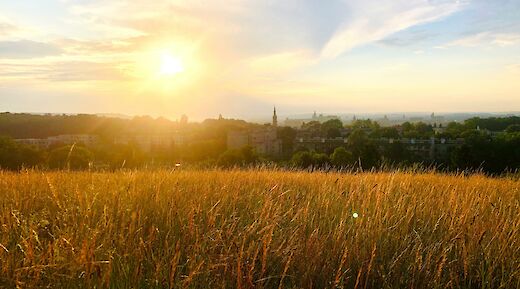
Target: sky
pixel 239 58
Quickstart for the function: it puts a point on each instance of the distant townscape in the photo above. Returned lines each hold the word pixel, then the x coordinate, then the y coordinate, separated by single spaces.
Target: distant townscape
pixel 323 133
pixel 80 141
pixel 384 120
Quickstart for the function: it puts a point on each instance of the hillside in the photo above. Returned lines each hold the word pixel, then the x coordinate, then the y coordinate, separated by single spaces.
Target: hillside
pixel 261 229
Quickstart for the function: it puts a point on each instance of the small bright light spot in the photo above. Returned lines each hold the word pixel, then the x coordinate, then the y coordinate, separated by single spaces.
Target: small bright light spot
pixel 355 215
pixel 171 65
pixel 177 164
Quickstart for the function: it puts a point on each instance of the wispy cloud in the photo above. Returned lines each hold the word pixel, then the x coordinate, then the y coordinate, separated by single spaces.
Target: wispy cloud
pixel 27 49
pixel 6 28
pixel 103 46
pixel 485 39
pixel 259 27
pixel 60 71
pixel 283 62
pixel 408 39
pixel 374 20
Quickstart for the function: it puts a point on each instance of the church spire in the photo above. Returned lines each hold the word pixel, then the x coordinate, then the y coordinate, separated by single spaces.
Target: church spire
pixel 275 118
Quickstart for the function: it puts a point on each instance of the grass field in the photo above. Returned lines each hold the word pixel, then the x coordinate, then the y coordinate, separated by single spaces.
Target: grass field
pixel 258 229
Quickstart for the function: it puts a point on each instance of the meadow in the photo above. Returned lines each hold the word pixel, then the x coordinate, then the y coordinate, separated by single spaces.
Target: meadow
pixel 258 229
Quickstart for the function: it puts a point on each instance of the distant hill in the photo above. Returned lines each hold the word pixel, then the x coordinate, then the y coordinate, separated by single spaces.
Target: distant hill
pixel 27 125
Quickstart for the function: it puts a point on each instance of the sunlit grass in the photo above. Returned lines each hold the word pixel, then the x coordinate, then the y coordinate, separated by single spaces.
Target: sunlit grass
pixel 262 228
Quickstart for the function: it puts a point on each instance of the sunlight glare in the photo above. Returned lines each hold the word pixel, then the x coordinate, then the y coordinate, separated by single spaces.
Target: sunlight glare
pixel 171 65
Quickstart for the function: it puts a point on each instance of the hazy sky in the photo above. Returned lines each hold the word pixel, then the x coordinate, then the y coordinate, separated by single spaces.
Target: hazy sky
pixel 241 57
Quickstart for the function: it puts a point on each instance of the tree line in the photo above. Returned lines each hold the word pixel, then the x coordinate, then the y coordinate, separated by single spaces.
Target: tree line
pixel 490 144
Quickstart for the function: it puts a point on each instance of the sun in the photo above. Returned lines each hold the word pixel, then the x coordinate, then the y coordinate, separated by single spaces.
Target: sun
pixel 171 65
pixel 168 70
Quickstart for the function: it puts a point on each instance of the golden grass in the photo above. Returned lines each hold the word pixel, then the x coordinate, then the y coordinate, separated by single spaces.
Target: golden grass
pixel 260 228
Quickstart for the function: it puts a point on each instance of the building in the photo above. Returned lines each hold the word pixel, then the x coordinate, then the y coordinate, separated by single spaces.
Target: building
pixel 438 129
pixel 436 119
pixel 319 144
pixel 263 140
pixel 184 119
pixel 428 149
pixel 297 123
pixel 87 140
pixel 294 123
pixel 38 143
pixel 237 139
pixel 152 142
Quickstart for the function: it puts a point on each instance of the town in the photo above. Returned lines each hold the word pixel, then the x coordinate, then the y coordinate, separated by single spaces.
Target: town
pixel 325 133
pixel 319 141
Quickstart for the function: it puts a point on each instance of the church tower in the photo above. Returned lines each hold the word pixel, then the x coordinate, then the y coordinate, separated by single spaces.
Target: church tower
pixel 275 118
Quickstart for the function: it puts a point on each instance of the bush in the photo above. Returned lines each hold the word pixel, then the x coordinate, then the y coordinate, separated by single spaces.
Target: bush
pixel 305 159
pixel 243 156
pixel 14 156
pixel 70 157
pixel 341 157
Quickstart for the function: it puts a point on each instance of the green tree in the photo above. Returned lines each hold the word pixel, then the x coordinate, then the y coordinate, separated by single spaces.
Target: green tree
pixel 396 152
pixel 492 155
pixel 243 156
pixel 70 157
pixel 313 127
pixel 387 132
pixel 365 123
pixel 332 128
pixel 123 156
pixel 287 135
pixel 491 123
pixel 320 160
pixel 476 152
pixel 303 159
pixel 230 158
pixel 202 150
pixel 341 157
pixel 249 155
pixel 306 159
pixel 407 126
pixel 452 130
pixel 14 156
pixel 356 141
pixel 513 128
pixel 363 149
pixel 418 130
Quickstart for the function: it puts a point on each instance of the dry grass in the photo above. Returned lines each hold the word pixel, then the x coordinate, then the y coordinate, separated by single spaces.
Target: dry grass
pixel 261 229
